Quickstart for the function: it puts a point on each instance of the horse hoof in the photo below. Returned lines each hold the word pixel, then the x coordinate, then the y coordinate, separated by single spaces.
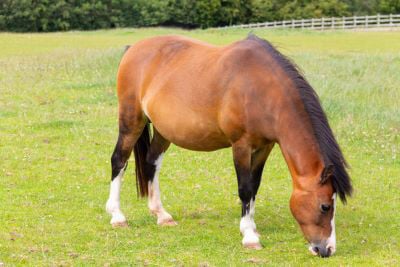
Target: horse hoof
pixel 123 224
pixel 255 246
pixel 168 222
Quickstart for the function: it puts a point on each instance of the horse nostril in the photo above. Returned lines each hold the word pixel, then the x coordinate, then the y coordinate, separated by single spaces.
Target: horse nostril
pixel 321 251
pixel 324 252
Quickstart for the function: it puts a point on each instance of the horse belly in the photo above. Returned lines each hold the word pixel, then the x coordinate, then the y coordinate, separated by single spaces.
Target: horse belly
pixel 185 127
pixel 199 141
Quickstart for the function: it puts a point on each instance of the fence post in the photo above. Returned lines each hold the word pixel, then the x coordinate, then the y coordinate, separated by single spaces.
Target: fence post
pixel 292 23
pixel 302 23
pixel 343 22
pixel 366 21
pixel 332 23
pixel 378 19
pixel 391 19
pixel 354 21
pixel 312 23
pixel 322 23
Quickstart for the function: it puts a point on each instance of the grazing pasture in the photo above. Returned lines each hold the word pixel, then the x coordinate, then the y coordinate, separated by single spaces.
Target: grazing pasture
pixel 58 127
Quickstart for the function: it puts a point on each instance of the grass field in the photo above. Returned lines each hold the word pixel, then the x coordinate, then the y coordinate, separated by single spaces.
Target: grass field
pixel 58 126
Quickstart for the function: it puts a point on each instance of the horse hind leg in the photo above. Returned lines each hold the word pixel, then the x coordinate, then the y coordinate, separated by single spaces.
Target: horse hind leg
pixel 153 165
pixel 130 129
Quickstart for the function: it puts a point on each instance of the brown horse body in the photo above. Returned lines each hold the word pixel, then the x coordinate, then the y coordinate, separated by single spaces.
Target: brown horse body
pixel 245 95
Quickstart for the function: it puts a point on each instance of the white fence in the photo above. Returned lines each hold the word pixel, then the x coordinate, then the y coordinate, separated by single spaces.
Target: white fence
pixel 329 23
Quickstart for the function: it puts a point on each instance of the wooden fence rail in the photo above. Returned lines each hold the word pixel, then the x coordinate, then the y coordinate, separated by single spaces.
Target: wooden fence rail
pixel 392 20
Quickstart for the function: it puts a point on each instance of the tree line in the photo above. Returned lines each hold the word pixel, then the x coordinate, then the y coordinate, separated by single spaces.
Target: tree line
pixel 63 15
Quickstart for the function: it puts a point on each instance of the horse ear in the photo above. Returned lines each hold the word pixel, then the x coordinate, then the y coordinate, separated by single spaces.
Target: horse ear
pixel 326 173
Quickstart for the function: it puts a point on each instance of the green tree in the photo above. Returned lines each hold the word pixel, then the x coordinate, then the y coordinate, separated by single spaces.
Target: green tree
pixel 61 15
pixel 263 10
pixel 192 13
pixel 234 12
pixel 312 9
pixel 151 12
pixel 55 16
pixel 362 7
pixel 389 6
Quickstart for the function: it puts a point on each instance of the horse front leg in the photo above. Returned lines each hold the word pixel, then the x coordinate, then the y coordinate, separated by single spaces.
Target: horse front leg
pixel 249 166
pixel 242 161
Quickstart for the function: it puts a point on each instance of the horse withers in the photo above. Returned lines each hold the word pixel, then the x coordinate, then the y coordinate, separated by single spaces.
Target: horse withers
pixel 247 96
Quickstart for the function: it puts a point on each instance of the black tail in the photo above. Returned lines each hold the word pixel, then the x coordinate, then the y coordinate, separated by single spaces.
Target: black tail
pixel 140 150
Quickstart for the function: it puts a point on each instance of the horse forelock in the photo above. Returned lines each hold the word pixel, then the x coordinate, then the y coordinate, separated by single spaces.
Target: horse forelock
pixel 328 146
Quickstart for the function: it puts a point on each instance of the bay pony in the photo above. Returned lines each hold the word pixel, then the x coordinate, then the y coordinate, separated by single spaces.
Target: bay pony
pixel 245 95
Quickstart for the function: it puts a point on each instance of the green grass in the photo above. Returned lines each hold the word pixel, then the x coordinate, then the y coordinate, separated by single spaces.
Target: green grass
pixel 58 126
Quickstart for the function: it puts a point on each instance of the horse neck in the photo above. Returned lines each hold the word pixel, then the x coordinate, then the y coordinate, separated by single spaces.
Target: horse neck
pixel 300 149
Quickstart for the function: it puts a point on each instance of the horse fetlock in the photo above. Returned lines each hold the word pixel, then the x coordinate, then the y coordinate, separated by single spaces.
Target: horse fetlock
pixel 154 208
pixel 118 218
pixel 247 226
pixel 111 206
pixel 247 223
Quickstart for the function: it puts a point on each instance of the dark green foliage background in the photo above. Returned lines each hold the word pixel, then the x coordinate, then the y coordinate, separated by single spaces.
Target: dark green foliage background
pixel 62 15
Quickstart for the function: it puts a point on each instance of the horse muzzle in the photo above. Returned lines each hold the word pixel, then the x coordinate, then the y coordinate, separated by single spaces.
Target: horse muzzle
pixel 322 249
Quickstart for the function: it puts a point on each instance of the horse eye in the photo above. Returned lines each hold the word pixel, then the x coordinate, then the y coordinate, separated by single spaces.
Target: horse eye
pixel 325 208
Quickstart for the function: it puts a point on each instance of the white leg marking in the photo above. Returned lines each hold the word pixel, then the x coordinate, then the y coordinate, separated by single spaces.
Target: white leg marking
pixel 113 206
pixel 248 229
pixel 155 205
pixel 331 242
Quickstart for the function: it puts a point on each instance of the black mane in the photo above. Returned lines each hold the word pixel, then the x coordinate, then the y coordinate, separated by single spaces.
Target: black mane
pixel 329 148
